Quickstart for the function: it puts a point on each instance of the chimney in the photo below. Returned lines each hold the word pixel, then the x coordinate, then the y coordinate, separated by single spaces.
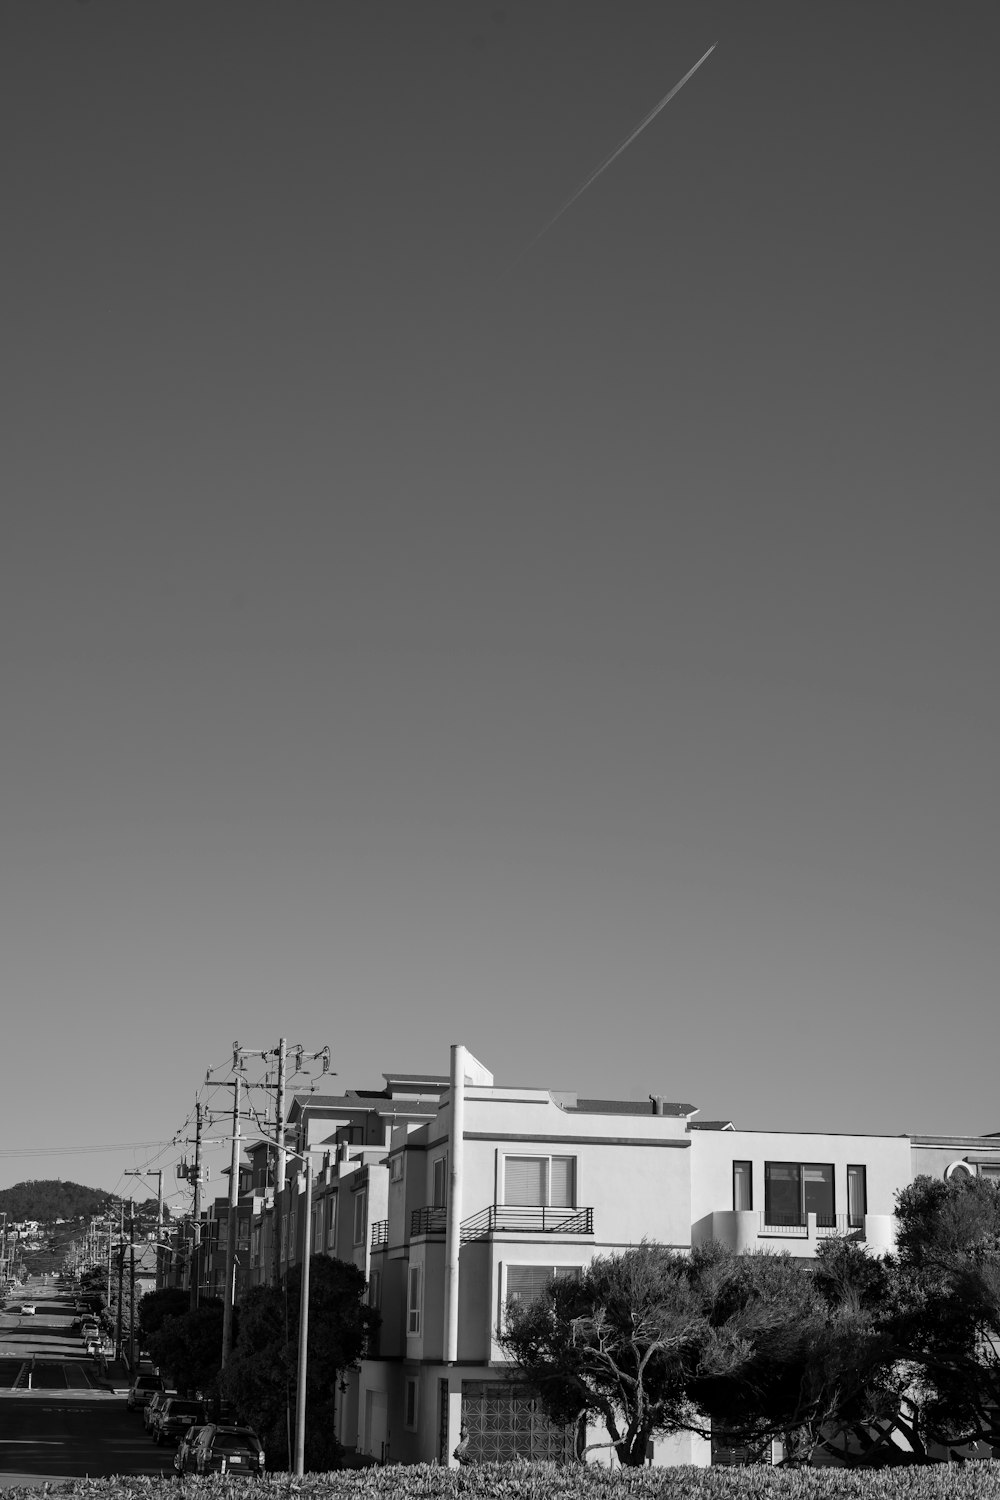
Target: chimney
pixel 656 1100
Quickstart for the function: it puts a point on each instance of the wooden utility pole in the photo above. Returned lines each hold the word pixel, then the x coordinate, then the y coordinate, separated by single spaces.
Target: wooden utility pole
pixel 196 1227
pixel 231 1232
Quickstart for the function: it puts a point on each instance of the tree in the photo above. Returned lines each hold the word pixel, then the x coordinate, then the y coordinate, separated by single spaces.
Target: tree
pixel 804 1352
pixel 189 1345
pixel 167 1301
pixel 616 1345
pixel 948 1305
pixel 260 1378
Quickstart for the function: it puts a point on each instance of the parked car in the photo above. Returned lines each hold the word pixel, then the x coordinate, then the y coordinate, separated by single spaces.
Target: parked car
pixel 174 1418
pixel 227 1450
pixel 142 1389
pixel 184 1461
pixel 28 1308
pixel 152 1406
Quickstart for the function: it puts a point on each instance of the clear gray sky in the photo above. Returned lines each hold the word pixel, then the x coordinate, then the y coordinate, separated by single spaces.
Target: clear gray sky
pixel 592 661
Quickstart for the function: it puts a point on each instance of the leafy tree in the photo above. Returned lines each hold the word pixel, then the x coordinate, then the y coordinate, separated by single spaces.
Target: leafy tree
pixel 168 1301
pixel 189 1345
pixel 260 1377
pixel 617 1345
pixel 803 1352
pixel 948 1305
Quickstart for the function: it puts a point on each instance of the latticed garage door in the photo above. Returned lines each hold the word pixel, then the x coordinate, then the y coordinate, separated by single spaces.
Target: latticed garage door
pixel 504 1421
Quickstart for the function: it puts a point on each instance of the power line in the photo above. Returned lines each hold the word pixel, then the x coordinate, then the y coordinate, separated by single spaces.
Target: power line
pixel 78 1150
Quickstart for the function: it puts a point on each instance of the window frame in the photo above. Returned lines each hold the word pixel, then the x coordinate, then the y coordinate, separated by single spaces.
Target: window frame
pixel 360 1214
pixel 414 1299
pixel 330 1229
pixel 548 1158
pixel 439 1181
pixel 411 1403
pixel 748 1178
pixel 857 1221
pixel 574 1272
pixel 824 1220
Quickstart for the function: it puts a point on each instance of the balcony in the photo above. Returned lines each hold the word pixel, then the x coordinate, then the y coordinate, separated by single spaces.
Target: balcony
pixel 745 1230
pixel 500 1220
pixel 428 1221
pixel 827 1226
pixel 380 1234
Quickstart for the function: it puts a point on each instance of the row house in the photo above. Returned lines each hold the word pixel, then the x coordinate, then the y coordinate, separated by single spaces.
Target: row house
pixel 454 1195
pixel 507 1187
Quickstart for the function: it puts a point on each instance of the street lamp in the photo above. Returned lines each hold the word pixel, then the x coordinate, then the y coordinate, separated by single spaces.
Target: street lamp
pixel 300 1368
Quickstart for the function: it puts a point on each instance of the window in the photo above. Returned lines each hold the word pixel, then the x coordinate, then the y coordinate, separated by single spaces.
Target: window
pixel 539 1181
pixel 292 1217
pixel 359 1217
pixel 410 1404
pixel 331 1221
pixel 439 1182
pixel 991 1174
pixel 857 1197
pixel 396 1167
pixel 794 1189
pixel 413 1289
pixel 317 1228
pixel 524 1283
pixel 375 1289
pixel 284 1236
pixel 742 1185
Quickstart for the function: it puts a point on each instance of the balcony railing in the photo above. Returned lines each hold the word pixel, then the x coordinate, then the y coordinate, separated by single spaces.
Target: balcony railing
pixel 497 1219
pixel 428 1221
pixel 827 1226
pixel 380 1233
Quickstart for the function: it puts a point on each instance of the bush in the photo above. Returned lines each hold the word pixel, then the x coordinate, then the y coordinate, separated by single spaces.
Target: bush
pixel 970 1481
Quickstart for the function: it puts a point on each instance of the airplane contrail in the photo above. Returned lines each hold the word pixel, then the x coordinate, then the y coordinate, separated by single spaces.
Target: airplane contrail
pixel 606 163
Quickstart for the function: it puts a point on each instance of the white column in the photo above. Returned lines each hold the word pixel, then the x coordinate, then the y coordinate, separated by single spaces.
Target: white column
pixel 453 1218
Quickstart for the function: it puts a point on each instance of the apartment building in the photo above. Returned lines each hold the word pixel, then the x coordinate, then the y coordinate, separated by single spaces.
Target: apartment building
pixel 454 1195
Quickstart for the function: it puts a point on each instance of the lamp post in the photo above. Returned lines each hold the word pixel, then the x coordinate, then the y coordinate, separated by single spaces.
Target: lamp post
pixel 302 1353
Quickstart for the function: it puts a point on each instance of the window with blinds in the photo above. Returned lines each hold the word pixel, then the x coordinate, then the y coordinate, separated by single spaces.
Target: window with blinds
pixel 525 1283
pixel 539 1181
pixel 742 1185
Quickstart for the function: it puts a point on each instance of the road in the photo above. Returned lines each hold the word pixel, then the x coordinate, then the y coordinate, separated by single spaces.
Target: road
pixel 69 1422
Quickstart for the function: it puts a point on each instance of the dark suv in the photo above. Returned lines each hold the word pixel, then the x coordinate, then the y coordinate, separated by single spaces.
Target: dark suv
pixel 227 1450
pixel 175 1416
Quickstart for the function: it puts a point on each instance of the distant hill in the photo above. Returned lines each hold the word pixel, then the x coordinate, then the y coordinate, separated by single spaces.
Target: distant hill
pixel 50 1199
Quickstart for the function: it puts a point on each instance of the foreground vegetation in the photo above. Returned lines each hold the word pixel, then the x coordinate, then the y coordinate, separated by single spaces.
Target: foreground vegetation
pixel 973 1481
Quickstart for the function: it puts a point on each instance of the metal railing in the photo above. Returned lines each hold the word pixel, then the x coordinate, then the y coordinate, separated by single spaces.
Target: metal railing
pixel 498 1219
pixel 827 1226
pixel 428 1220
pixel 380 1233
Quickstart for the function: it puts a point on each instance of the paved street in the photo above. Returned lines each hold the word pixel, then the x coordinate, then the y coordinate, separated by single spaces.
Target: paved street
pixel 60 1416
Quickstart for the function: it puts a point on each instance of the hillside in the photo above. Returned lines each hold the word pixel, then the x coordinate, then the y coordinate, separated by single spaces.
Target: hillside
pixel 50 1199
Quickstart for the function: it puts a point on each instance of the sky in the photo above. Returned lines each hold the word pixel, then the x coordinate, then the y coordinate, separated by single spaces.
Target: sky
pixel 414 632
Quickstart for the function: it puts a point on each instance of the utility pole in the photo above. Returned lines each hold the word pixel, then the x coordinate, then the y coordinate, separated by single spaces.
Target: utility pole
pixel 279 1165
pixel 131 1279
pixel 196 1239
pixel 234 1189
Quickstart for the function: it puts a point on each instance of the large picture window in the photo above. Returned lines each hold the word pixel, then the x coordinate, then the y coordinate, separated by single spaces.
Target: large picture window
pixel 539 1181
pixel 794 1189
